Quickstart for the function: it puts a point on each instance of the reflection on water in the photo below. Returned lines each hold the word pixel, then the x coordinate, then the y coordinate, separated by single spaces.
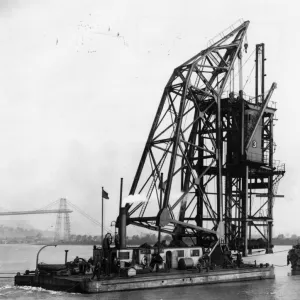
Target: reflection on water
pixel 15 258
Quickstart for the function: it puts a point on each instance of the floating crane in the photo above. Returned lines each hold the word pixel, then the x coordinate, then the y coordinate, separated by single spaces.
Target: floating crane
pixel 215 146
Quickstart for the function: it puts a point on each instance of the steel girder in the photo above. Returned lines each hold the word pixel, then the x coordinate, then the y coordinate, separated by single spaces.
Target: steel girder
pixel 185 143
pixel 193 142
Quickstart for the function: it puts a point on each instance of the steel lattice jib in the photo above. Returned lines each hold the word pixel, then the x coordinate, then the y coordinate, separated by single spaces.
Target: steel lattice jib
pixel 202 142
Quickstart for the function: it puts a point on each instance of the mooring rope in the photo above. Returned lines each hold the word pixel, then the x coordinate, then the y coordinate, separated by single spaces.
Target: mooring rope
pixel 279 265
pixel 72 287
pixel 269 253
pixel 282 251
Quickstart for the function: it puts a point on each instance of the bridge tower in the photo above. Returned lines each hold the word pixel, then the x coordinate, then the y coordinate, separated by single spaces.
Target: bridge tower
pixel 66 219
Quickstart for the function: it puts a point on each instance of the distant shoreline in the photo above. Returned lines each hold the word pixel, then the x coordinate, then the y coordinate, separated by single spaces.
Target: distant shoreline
pixel 278 242
pixel 285 242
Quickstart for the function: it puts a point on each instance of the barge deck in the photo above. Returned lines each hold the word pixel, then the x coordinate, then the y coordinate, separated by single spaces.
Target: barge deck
pixel 83 283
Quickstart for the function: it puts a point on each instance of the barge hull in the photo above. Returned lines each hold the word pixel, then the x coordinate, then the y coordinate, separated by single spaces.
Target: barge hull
pixel 83 284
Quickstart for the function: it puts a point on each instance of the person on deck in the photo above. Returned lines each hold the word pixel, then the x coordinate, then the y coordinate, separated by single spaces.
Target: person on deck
pixel 168 260
pixel 91 261
pixel 97 271
pixel 155 261
pixel 239 259
pixel 106 255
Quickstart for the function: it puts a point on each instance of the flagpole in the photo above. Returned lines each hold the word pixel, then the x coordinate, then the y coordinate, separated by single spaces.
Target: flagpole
pixel 121 192
pixel 102 215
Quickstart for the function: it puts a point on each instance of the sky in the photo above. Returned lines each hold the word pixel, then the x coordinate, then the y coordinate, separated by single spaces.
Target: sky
pixel 80 82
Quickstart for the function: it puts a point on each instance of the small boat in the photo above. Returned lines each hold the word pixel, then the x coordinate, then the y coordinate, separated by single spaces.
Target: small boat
pixel 293 257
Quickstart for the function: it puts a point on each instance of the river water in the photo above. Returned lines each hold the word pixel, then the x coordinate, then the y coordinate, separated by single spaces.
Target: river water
pixel 18 258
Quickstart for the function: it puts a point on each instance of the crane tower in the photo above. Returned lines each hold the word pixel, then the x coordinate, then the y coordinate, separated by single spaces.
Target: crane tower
pixel 208 160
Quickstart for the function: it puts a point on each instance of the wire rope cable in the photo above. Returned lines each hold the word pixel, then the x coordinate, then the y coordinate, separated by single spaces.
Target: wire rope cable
pixel 87 216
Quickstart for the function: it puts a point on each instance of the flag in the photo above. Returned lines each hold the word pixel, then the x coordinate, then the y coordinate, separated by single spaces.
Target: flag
pixel 104 194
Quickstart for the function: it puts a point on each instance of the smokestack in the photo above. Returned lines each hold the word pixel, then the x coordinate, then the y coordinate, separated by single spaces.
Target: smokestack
pixel 121 192
pixel 122 227
pixel 66 256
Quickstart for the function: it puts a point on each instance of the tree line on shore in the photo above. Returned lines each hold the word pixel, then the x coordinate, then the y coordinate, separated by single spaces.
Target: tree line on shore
pixel 25 235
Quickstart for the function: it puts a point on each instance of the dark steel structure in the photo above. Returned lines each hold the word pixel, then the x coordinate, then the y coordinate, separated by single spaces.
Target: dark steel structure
pixel 215 149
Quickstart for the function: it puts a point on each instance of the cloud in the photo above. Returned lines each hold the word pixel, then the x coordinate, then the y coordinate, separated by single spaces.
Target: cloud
pixel 134 199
